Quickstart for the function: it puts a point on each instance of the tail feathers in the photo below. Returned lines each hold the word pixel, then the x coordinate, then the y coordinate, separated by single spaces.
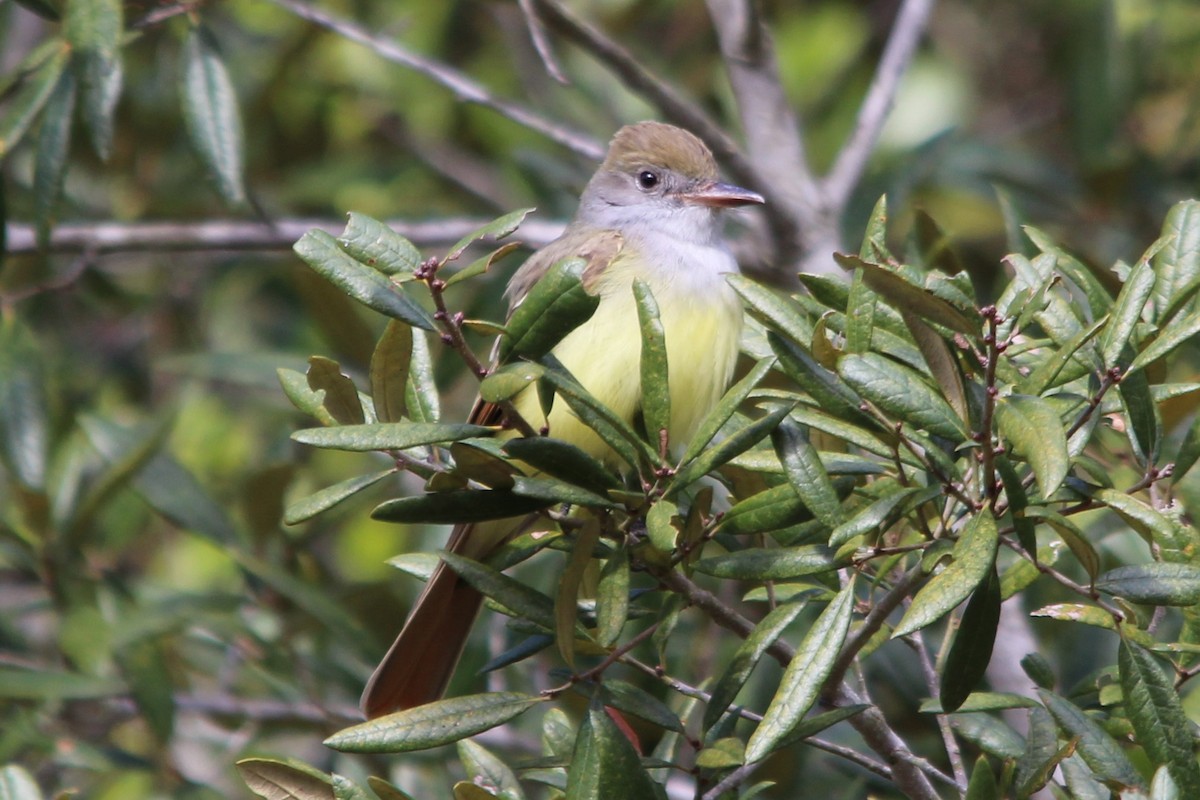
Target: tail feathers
pixel 419 664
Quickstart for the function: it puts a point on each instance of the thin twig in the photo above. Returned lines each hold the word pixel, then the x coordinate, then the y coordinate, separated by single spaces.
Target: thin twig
pixel 541 43
pixel 943 720
pixel 463 87
pixel 848 168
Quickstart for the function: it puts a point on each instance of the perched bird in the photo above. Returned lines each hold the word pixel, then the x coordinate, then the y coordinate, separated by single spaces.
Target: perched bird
pixel 649 212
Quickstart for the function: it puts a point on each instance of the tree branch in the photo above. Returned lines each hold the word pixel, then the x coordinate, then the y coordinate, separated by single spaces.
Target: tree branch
pixel 460 84
pixel 848 168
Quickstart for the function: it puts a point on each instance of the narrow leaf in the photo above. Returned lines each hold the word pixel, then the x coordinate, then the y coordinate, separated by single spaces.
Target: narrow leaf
pixel 389 371
pixel 656 395
pixel 806 473
pixel 901 392
pixel 1156 583
pixel 466 505
pixel 50 163
pixel 972 648
pixel 604 764
pixel 1158 718
pixel 737 443
pixel 341 395
pixel 725 409
pixel 387 435
pixel 210 111
pixel 765 564
pixel 492 231
pixel 556 305
pixel 330 496
pixel 280 780
pixel 1098 749
pixel 94 29
pixel 1036 433
pixel 373 243
pixel 1116 343
pixel 35 91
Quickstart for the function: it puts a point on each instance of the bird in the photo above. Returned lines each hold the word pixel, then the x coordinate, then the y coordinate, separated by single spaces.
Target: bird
pixel 651 211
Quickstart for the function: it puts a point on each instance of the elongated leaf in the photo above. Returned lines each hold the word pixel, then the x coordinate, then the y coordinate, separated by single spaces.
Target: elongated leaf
pixel 662 525
pixel 389 371
pixel 615 432
pixel 50 165
pixel 1177 264
pixel 778 313
pixel 807 474
pixel 24 406
pixel 775 508
pixel 765 564
pixel 656 395
pixel 330 496
pixel 373 243
pixel 1098 749
pixel 466 505
pixel 877 514
pixel 1143 518
pixel 387 435
pixel 737 443
pixel 1078 543
pixel 1170 337
pixel 1098 299
pixel 32 97
pixel 1116 343
pixel 748 654
pixel 281 780
pixel 1141 416
pixel 1158 718
pixel 492 231
pixel 830 391
pixel 860 315
pixel 556 305
pixel 905 295
pixel 1047 372
pixel 341 395
pixel 941 364
pixel 804 677
pixel 974 557
pixel 604 764
pixel 564 461
pixel 612 597
pixel 566 600
pixel 94 29
pixel 972 648
pixel 1155 583
pixel 42 684
pixel 433 724
pixel 210 111
pixel 489 770
pixel 900 391
pixel 363 283
pixel 556 491
pixel 483 264
pixel 725 409
pixel 1037 435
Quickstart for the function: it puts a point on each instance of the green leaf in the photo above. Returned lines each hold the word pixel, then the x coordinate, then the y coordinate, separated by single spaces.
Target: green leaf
pixel 631 699
pixel 1156 711
pixel 509 381
pixel 1141 416
pixel 612 597
pixel 566 599
pixel 1047 371
pixel 488 770
pixel 615 432
pixel 901 392
pixel 829 391
pixel 373 243
pixel 492 231
pixel 981 701
pixel 44 10
pixel 466 505
pixel 860 314
pixel 44 684
pixel 24 406
pixel 1177 263
pixel 1156 583
pixel 312 598
pixel 210 111
pixel 94 28
pixel 766 564
pixel 662 525
pixel 1037 435
pixel 482 265
pixel 564 461
pixel 1116 343
pixel 387 435
pixel 806 473
pixel 778 313
pixel 389 371
pixel 748 654
pixel 341 395
pixel 879 514
pixel 775 508
pixel 1143 518
pixel 34 93
pixel 279 780
pixel 974 556
pixel 604 763
pixel 656 394
pixel 1105 757
pixel 330 496
pixel 983 783
pixel 1098 299
pixel 1080 547
pixel 556 305
pixel 914 299
pixel 972 648
pixel 433 724
pixel 1169 338
pixel 50 163
pixel 519 598
pixel 144 667
pixel 386 791
pixel 735 444
pixel 363 283
pixel 551 490
pixel 804 677
pixel 725 408
pixel 17 784
pixel 941 363
pixel 421 398
pixel 1189 451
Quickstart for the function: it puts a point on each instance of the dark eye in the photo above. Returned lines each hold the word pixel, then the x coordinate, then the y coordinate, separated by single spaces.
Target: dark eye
pixel 647 180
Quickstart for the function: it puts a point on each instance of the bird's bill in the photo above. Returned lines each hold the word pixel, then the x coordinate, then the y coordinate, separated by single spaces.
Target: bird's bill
pixel 722 195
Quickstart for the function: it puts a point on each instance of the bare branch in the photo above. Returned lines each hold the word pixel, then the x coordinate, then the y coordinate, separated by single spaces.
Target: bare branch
pixel 541 43
pixel 461 85
pixel 674 105
pixel 773 134
pixel 117 237
pixel 852 160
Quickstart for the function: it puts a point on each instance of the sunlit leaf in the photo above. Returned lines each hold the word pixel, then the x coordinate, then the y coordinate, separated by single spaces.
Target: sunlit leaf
pixel 210 110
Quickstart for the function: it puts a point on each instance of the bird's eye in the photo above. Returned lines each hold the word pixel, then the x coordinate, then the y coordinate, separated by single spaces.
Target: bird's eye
pixel 647 180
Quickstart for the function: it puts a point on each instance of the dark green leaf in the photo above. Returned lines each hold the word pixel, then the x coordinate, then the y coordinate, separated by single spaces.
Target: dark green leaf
pixel 901 392
pixel 556 305
pixel 433 724
pixel 806 473
pixel 612 597
pixel 389 371
pixel 860 315
pixel 656 394
pixel 1169 338
pixel 35 91
pixel 555 491
pixel 44 684
pixel 1098 749
pixel 50 164
pixel 775 508
pixel 94 28
pixel 509 381
pixel 387 435
pixel 1177 264
pixel 765 564
pixel 210 111
pixel 941 363
pixel 804 678
pixel 725 409
pixel 492 231
pixel 972 648
pixel 312 598
pixel 1037 435
pixel 878 514
pixel 1158 718
pixel 363 283
pixel 735 444
pixel 777 312
pixel 604 763
pixel 747 656
pixel 466 505
pixel 983 783
pixel 421 398
pixel 373 243
pixel 912 298
pixel 1156 583
pixel 341 395
pixel 1141 416
pixel 330 496
pixel 1116 343
pixel 974 557
pixel 1047 371
pixel 564 461
pixel 615 432
pixel 481 265
pixel 831 392
pixel 24 406
pixel 144 668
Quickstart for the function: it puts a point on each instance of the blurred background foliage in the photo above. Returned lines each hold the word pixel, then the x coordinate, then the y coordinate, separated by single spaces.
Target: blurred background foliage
pixel 156 618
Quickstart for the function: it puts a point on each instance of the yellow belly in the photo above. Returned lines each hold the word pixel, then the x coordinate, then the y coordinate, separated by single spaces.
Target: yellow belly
pixel 702 331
